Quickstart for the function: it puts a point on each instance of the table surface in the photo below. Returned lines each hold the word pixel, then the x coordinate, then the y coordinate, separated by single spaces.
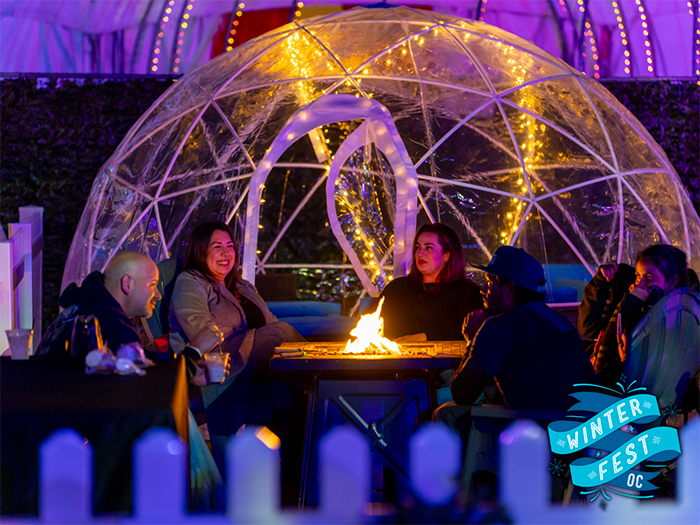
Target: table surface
pixel 330 357
pixel 39 396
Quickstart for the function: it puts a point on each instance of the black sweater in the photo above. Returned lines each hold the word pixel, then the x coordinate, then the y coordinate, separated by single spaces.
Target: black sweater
pixel 437 310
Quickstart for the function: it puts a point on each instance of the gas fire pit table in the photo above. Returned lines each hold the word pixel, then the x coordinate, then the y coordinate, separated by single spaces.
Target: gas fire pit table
pixel 381 395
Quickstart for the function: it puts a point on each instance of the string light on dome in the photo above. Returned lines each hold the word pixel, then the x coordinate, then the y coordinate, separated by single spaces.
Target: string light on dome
pixel 531 146
pixel 617 7
pixel 179 41
pixel 297 48
pixel 649 50
pixel 563 6
pixel 165 16
pixel 234 22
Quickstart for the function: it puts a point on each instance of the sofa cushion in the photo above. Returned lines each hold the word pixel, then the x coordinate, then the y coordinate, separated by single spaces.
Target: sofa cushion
pixel 303 308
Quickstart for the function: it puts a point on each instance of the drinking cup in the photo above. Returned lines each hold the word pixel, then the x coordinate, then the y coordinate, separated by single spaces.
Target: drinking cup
pixel 216 366
pixel 20 341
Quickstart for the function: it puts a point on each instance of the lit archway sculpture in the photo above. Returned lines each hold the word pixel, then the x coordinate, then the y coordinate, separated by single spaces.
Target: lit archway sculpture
pixel 380 127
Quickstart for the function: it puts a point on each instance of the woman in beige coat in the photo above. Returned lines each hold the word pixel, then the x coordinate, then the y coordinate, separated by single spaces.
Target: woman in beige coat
pixel 209 291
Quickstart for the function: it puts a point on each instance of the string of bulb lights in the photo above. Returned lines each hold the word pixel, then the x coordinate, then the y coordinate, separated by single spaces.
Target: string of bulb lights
pixel 694 10
pixel 619 16
pixel 589 48
pixel 234 22
pixel 649 49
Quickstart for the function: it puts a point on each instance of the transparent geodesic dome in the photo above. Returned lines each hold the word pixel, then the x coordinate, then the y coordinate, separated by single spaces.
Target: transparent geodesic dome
pixel 488 133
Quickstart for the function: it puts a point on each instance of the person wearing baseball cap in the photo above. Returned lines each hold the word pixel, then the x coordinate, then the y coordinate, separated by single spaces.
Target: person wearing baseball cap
pixel 533 354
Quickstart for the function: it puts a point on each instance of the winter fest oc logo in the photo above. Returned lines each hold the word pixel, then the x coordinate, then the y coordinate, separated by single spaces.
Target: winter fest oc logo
pixel 617 452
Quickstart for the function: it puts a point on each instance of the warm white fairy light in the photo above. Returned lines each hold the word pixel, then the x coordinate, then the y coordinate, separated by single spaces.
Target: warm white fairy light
pixel 165 18
pixel 297 10
pixel 695 13
pixel 593 46
pixel 531 150
pixel 181 34
pixel 623 36
pixel 589 40
pixel 647 38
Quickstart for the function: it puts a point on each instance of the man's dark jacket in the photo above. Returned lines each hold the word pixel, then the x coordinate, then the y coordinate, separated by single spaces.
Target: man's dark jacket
pixel 91 298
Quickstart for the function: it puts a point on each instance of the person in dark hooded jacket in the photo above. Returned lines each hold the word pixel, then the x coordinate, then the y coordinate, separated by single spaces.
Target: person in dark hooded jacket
pixel 127 290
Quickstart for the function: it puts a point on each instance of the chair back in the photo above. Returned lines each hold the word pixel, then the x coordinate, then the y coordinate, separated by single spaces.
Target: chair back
pixel 664 349
pixel 168 271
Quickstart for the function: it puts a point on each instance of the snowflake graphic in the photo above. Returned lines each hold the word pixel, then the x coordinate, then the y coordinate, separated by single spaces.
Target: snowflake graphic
pixel 672 411
pixel 556 467
pixel 656 440
pixel 646 404
pixel 592 474
pixel 561 443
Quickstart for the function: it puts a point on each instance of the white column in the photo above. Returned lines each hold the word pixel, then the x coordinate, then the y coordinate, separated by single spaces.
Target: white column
pixel 8 313
pixel 23 291
pixel 34 215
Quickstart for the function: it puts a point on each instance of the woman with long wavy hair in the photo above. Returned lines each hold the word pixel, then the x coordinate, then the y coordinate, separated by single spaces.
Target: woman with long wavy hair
pixel 209 291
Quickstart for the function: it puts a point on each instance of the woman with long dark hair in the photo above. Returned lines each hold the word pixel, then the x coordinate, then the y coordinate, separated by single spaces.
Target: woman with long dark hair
pixel 209 291
pixel 435 296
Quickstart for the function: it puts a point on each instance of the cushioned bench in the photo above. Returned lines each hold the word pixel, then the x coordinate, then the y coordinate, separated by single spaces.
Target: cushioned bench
pixel 565 282
pixel 316 319
pixel 313 318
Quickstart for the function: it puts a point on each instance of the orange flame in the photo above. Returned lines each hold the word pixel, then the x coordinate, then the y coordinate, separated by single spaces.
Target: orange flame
pixel 370 335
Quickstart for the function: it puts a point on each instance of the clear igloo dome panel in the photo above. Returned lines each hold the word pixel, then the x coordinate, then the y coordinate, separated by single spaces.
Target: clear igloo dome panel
pixel 503 142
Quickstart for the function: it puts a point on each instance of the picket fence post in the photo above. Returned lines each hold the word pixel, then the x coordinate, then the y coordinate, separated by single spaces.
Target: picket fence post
pixel 65 479
pixel 435 464
pixel 160 477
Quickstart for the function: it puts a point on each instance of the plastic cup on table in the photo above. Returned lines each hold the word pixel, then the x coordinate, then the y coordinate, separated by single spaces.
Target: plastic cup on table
pixel 20 341
pixel 216 365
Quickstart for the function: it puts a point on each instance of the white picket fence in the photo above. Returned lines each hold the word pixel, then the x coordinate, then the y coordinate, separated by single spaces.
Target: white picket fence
pixel 160 470
pixel 21 260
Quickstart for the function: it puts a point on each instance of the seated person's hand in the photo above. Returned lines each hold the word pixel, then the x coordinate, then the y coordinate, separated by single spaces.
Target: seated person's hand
pixel 201 378
pixel 640 290
pixel 412 338
pixel 472 323
pixel 609 271
pixel 207 338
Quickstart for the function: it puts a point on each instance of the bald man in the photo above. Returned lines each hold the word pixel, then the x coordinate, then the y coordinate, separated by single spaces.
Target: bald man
pixel 127 290
pixel 132 280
